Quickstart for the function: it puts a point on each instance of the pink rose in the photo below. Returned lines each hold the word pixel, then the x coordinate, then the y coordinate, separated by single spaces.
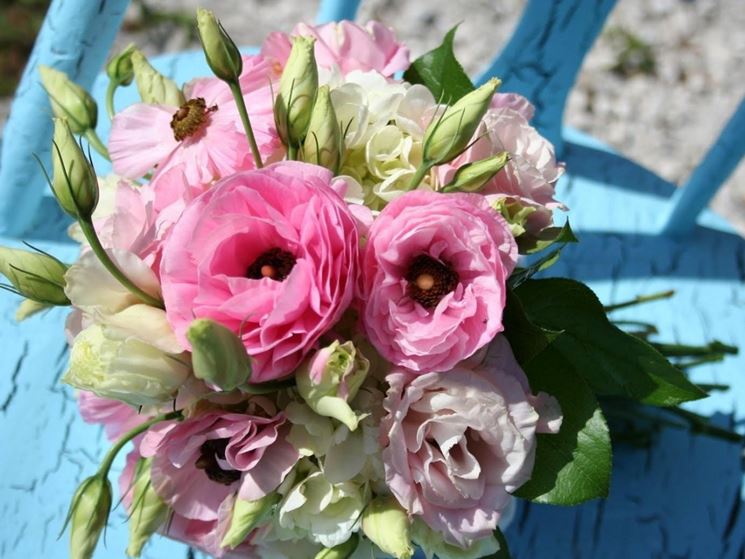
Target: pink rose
pixel 271 254
pixel 346 46
pixel 457 443
pixel 435 268
pixel 201 461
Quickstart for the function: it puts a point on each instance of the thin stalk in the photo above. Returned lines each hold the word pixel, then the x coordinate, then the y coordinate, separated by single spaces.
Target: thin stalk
pixel 640 299
pixel 108 460
pixel 292 152
pixel 110 90
pixel 683 350
pixel 711 358
pixel 235 89
pixel 701 424
pixel 421 172
pixel 96 143
pixel 98 249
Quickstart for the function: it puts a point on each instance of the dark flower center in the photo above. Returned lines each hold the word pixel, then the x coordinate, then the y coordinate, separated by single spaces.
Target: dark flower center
pixel 209 452
pixel 430 280
pixel 274 263
pixel 190 118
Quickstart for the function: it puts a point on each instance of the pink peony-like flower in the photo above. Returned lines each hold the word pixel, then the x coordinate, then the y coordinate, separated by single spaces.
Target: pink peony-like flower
pixel 201 461
pixel 205 135
pixel 271 254
pixel 457 443
pixel 345 46
pixel 434 269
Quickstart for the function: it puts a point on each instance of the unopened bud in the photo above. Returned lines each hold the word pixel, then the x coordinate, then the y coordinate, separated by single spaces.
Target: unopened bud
pixel 69 100
pixel 119 69
pixel 341 551
pixel 29 308
pixel 154 87
pixel 218 355
pixel 148 511
pixel 74 181
pixel 35 275
pixel 473 176
pixel 88 515
pixel 297 92
pixel 222 55
pixel 323 142
pixel 447 136
pixel 386 524
pixel 245 517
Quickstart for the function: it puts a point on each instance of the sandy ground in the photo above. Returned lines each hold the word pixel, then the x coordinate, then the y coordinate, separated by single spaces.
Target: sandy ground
pixel 665 119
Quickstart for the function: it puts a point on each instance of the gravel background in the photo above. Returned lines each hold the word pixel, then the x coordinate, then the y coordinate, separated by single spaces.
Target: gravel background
pixel 683 70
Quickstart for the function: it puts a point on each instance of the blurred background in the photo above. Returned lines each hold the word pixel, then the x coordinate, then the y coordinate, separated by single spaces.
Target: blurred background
pixel 657 86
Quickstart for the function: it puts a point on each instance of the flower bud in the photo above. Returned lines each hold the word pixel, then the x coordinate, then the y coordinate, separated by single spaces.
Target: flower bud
pixel 516 214
pixel 88 514
pixel 220 51
pixel 154 87
pixel 35 275
pixel 386 524
pixel 245 517
pixel 218 355
pixel 433 544
pixel 473 176
pixel 29 308
pixel 323 142
pixel 330 379
pixel 74 181
pixel 297 92
pixel 447 136
pixel 148 512
pixel 341 551
pixel 119 68
pixel 69 100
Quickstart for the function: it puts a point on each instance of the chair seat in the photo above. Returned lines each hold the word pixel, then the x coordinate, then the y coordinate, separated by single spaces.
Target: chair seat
pixel 679 498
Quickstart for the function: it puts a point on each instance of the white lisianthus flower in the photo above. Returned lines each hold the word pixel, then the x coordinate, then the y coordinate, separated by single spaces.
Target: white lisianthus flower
pixel 113 365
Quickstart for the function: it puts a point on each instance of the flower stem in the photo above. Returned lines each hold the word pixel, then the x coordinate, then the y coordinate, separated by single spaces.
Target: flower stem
pixel 292 152
pixel 421 172
pixel 235 89
pixel 96 143
pixel 110 98
pixel 108 460
pixel 90 234
pixel 682 350
pixel 640 299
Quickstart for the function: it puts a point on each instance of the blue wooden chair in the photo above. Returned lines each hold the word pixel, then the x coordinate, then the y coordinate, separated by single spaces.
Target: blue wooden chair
pixel 681 498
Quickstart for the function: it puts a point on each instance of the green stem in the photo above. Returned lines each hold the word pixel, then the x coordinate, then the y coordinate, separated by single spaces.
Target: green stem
pixel 235 89
pixel 96 143
pixel 640 299
pixel 90 234
pixel 110 98
pixel 700 424
pixel 292 152
pixel 711 358
pixel 108 460
pixel 683 350
pixel 421 172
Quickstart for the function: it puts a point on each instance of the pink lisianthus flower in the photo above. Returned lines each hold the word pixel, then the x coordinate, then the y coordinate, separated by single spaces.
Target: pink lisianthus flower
pixel 435 267
pixel 116 417
pixel 271 254
pixel 456 444
pixel 205 135
pixel 344 46
pixel 201 461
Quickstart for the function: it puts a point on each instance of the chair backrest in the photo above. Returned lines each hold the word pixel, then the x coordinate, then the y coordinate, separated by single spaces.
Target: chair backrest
pixel 541 61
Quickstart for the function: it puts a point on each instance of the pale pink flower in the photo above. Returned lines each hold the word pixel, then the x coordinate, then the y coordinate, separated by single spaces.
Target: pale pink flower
pixel 214 145
pixel 456 444
pixel 345 46
pixel 200 461
pixel 271 254
pixel 116 417
pixel 434 272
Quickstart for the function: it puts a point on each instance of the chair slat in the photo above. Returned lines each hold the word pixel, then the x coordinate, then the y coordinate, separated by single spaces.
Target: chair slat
pixel 719 162
pixel 75 38
pixel 545 53
pixel 335 10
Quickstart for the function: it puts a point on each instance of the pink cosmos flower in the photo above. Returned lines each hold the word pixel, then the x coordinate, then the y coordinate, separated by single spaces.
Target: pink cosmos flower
pixel 271 254
pixel 434 273
pixel 201 461
pixel 205 135
pixel 457 443
pixel 345 46
pixel 116 417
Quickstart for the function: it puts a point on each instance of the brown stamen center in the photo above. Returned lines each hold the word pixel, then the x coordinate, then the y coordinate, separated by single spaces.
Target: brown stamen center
pixel 210 451
pixel 430 280
pixel 275 264
pixel 190 118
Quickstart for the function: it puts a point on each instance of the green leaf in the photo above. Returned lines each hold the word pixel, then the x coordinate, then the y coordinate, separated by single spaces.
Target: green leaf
pixel 504 550
pixel 613 362
pixel 441 72
pixel 520 275
pixel 574 465
pixel 546 238
pixel 526 339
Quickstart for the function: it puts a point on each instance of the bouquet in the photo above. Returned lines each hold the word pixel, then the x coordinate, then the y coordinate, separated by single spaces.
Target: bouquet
pixel 301 297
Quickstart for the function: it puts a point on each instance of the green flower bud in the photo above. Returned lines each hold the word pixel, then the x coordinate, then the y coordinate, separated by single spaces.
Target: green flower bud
pixel 245 517
pixel 88 514
pixel 331 378
pixel 323 142
pixel 218 355
pixel 447 136
pixel 119 69
pixel 220 51
pixel 473 176
pixel 433 544
pixel 154 87
pixel 341 551
pixel 148 512
pixel 387 526
pixel 515 213
pixel 29 308
pixel 74 181
pixel 69 100
pixel 35 275
pixel 297 92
